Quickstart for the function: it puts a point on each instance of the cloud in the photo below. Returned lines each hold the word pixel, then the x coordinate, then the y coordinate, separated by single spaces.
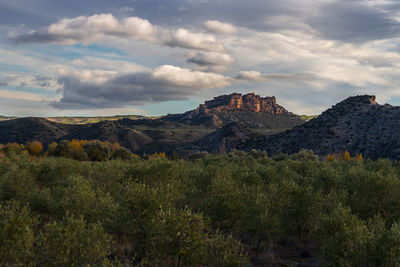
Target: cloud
pixel 10 94
pixel 30 81
pixel 259 77
pixel 88 30
pixel 220 27
pixel 211 61
pixel 3 83
pixel 95 28
pixel 164 83
pixel 183 38
pixel 356 20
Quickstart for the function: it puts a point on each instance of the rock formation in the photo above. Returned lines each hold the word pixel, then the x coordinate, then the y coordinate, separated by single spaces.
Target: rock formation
pixel 250 101
pixel 252 110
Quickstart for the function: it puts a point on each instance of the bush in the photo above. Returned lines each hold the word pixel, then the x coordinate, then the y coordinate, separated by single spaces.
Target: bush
pixel 226 251
pixel 177 235
pixel 72 242
pixel 121 153
pixel 343 238
pixel 16 234
pixel 96 151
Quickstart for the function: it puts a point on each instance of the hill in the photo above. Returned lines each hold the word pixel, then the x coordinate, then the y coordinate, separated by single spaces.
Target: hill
pixel 216 126
pixel 357 124
pixel 250 109
pixel 28 129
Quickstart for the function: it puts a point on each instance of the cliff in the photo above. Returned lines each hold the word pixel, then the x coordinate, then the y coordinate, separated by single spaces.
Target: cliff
pixel 250 101
pixel 252 110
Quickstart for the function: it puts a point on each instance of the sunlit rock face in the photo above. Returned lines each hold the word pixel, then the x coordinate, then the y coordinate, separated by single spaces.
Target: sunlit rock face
pixel 250 101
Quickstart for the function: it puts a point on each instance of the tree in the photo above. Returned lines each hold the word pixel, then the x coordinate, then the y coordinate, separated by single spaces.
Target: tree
pixel 121 153
pixel 96 151
pixel 346 156
pixel 34 148
pixel 330 158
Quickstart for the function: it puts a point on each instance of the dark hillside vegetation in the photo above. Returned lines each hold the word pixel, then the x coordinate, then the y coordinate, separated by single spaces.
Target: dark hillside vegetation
pixel 357 124
pixel 238 209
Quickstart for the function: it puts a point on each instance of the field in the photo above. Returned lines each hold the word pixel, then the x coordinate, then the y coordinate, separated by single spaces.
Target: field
pixel 239 209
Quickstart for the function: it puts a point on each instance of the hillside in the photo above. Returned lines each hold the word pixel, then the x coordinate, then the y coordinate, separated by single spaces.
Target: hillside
pixel 357 124
pixel 216 126
pixel 29 129
pixel 112 132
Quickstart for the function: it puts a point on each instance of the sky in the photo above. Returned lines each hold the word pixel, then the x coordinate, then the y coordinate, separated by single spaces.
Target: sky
pixel 154 57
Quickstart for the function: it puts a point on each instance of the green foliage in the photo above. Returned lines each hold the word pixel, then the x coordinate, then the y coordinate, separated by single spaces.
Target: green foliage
pixel 96 151
pixel 16 234
pixel 223 250
pixel 72 242
pixel 121 153
pixel 343 238
pixel 212 210
pixel 178 235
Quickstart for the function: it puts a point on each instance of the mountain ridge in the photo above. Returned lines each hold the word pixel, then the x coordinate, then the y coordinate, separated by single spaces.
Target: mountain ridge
pixel 357 124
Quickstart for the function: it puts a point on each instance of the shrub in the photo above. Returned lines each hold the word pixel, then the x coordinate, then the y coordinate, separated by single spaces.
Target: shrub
pixel 343 238
pixel 72 242
pixel 121 153
pixel 16 234
pixel 305 154
pixel 63 149
pixel 96 151
pixel 177 235
pixel 226 251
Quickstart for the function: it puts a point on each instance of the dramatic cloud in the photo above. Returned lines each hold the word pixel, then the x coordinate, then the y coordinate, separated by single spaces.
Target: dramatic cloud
pixel 165 83
pixel 185 39
pixel 220 27
pixel 88 30
pixel 211 61
pixel 95 28
pixel 307 53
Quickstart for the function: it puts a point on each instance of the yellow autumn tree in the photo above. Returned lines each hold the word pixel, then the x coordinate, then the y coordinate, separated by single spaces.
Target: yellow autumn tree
pixel 359 157
pixel 75 144
pixel 330 158
pixel 35 148
pixel 346 156
pixel 115 146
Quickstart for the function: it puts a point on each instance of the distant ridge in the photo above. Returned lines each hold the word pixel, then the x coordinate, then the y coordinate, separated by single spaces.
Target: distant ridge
pixel 216 126
pixel 357 124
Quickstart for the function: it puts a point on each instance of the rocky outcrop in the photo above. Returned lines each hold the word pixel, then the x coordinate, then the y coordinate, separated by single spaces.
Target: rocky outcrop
pixel 250 101
pixel 252 110
pixel 357 124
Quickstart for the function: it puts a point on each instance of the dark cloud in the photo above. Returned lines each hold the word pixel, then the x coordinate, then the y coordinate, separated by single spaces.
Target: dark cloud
pixel 354 21
pixel 165 83
pixel 211 61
